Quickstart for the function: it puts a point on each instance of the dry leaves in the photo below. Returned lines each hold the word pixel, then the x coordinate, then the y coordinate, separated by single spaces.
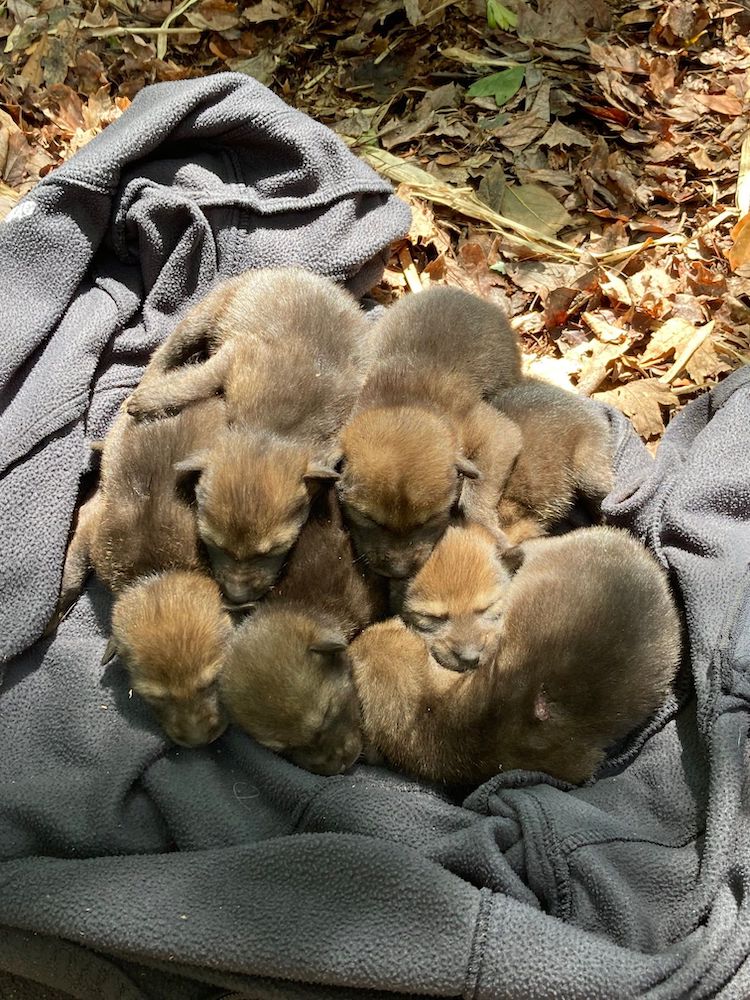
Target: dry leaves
pixel 587 163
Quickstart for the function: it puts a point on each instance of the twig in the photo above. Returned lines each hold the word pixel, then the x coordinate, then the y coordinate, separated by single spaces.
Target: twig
pixel 410 270
pixel 161 44
pixel 134 29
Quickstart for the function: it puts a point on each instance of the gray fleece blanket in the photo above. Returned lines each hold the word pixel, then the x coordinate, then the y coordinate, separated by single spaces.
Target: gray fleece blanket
pixel 131 869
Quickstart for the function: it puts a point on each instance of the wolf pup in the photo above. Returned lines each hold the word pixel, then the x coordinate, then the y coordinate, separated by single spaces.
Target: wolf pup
pixel 566 452
pixel 287 678
pixel 457 598
pixel 440 353
pixel 137 522
pixel 287 349
pixel 589 644
pixel 172 632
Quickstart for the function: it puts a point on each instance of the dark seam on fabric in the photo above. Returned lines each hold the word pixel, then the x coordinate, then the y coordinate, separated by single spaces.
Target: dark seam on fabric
pixel 678 846
pixel 478 945
pixel 74 181
pixel 233 162
pixel 634 749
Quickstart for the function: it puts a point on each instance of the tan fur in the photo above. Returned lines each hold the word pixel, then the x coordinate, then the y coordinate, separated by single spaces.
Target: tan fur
pixel 172 632
pixel 439 353
pixel 137 522
pixel 288 350
pixel 287 695
pixel 589 647
pixel 566 452
pixel 456 599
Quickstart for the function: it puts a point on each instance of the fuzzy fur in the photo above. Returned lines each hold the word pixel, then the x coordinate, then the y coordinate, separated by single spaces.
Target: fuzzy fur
pixel 288 350
pixel 589 644
pixel 439 354
pixel 172 632
pixel 137 522
pixel 566 453
pixel 290 696
pixel 455 601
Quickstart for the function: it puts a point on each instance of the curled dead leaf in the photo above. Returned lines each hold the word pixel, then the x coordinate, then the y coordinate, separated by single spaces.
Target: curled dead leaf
pixel 602 329
pixel 642 401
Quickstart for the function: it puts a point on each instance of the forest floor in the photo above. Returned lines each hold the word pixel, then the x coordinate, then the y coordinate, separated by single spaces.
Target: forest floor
pixel 588 162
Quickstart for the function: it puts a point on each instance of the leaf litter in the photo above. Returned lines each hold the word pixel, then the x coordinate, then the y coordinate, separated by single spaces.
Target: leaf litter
pixel 586 163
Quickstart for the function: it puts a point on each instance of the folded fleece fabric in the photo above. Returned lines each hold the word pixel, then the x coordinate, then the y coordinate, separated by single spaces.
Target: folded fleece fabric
pixel 131 869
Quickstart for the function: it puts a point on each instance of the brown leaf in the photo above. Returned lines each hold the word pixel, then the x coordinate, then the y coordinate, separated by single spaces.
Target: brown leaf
pixel 651 290
pixel 725 104
pixel 604 330
pixel 215 15
pixel 667 340
pixel 492 186
pixel 642 401
pixel 561 135
pixel 90 71
pixel 615 289
pixel 266 10
pixel 706 363
pixel 564 23
pixel 543 277
pixel 14 154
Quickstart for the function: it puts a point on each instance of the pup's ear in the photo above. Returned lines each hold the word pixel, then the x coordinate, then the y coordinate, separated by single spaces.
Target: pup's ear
pixel 193 465
pixel 319 473
pixel 512 557
pixel 111 650
pixel 467 468
pixel 333 643
pixel 189 470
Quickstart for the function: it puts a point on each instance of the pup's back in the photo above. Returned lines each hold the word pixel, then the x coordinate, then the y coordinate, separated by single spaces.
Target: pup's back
pixel 285 346
pixel 566 450
pixel 322 579
pixel 451 332
pixel 590 644
pixel 300 360
pixel 143 524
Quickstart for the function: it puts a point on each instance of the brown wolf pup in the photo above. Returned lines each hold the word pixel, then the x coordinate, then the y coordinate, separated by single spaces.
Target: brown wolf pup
pixel 439 353
pixel 172 632
pixel 457 598
pixel 589 646
pixel 287 679
pixel 137 522
pixel 566 452
pixel 287 348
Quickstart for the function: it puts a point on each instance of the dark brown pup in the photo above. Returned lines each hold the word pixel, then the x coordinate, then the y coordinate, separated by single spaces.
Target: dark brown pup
pixel 172 632
pixel 287 678
pixel 288 350
pixel 589 646
pixel 439 354
pixel 137 522
pixel 566 453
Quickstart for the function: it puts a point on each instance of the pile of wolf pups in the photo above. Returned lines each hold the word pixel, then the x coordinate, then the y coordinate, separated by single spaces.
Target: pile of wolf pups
pixel 340 535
